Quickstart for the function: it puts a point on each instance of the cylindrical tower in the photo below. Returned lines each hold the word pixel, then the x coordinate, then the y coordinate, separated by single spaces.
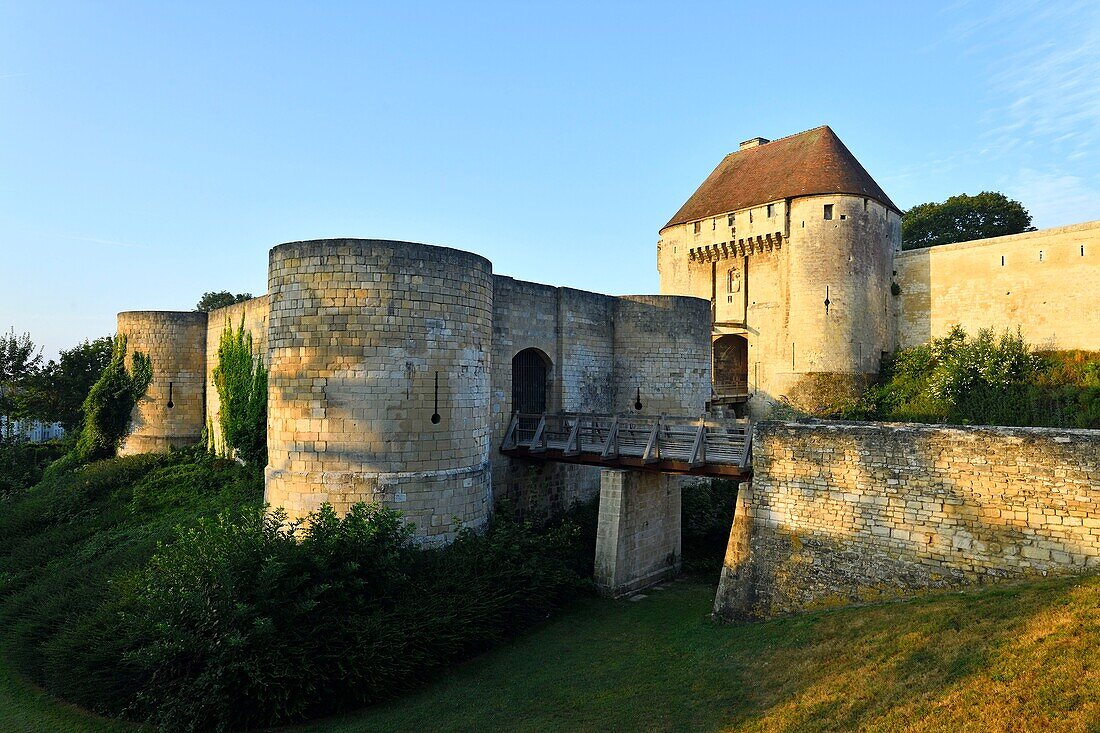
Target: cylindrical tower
pixel 662 354
pixel 841 256
pixel 379 381
pixel 171 412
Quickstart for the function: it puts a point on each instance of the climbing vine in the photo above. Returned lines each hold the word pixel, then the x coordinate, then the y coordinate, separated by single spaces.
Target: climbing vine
pixel 241 381
pixel 110 402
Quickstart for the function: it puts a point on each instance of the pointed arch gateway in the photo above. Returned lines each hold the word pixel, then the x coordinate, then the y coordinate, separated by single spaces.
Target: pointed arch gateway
pixel 731 366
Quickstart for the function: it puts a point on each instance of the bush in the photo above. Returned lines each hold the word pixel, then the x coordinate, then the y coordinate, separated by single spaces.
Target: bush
pixel 110 402
pixel 247 620
pixel 984 380
pixel 156 587
pixel 241 381
pixel 70 542
pixel 22 464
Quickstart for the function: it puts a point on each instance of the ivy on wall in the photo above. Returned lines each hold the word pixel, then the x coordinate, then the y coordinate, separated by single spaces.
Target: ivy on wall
pixel 241 381
pixel 110 402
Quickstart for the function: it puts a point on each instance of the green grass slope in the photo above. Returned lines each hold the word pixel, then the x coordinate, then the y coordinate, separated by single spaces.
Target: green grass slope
pixel 1014 658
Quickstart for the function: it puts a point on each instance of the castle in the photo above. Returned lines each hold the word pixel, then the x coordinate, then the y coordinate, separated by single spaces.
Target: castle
pixel 394 367
pixel 798 251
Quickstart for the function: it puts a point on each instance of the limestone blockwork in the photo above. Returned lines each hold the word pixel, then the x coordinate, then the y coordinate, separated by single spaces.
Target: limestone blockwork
pixel 379 381
pixel 842 513
pixel 174 342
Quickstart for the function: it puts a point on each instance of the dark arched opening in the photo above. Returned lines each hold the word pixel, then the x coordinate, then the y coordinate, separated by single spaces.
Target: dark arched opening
pixel 731 366
pixel 530 375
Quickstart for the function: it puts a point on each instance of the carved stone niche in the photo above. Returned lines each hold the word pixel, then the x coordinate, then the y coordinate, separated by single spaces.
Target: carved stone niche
pixel 733 280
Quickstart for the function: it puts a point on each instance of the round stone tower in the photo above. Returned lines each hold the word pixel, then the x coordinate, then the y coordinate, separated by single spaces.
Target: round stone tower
pixel 841 256
pixel 380 375
pixel 171 412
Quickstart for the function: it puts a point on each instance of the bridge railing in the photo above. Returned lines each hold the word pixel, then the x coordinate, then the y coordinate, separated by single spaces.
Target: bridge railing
pixel 695 441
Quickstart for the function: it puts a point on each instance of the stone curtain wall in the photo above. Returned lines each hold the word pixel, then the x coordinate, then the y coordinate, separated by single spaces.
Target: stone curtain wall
pixel 174 343
pixel 601 349
pixel 574 330
pixel 841 513
pixel 255 313
pixel 1052 300
pixel 358 331
pixel 663 354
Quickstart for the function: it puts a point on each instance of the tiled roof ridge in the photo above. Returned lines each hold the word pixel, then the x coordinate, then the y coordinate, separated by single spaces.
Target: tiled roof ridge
pixel 811 162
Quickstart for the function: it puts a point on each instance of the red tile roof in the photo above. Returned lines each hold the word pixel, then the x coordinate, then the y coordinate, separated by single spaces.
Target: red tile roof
pixel 811 162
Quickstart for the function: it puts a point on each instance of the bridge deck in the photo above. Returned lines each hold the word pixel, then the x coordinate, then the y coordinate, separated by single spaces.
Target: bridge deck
pixel 681 445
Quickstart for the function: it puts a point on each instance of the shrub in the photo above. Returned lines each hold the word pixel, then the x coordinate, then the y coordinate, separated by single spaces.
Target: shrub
pixel 22 464
pixel 247 620
pixel 110 402
pixel 70 542
pixel 985 380
pixel 241 381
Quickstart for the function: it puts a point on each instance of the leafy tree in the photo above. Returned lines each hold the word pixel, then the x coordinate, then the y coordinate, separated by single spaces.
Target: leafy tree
pixel 20 362
pixel 110 401
pixel 963 218
pixel 59 390
pixel 241 381
pixel 214 300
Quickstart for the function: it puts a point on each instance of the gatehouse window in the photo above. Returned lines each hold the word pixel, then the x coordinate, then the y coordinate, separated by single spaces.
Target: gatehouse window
pixel 771 210
pixel 530 374
pixel 698 226
pixel 828 211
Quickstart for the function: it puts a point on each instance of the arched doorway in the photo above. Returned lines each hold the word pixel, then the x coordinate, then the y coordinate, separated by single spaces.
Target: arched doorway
pixel 530 375
pixel 731 366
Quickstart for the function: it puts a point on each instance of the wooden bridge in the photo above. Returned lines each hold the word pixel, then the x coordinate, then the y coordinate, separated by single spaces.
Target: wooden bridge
pixel 681 445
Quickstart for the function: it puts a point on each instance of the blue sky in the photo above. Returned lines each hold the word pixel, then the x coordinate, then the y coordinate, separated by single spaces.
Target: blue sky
pixel 153 151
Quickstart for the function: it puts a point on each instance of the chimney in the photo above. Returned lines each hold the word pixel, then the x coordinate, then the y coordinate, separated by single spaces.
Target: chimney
pixel 754 142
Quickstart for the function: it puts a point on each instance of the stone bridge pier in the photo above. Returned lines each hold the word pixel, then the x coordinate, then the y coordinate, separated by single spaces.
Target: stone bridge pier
pixel 638 533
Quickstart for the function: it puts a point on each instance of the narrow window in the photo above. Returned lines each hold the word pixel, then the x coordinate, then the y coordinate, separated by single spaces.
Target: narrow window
pixel 1040 255
pixel 771 210
pixel 828 212
pixel 698 226
pixel 750 217
pixel 1082 250
pixel 865 205
pixel 713 224
pixel 1002 260
pixel 729 220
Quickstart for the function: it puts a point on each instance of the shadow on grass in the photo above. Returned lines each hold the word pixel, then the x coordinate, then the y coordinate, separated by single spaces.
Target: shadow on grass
pixel 1010 658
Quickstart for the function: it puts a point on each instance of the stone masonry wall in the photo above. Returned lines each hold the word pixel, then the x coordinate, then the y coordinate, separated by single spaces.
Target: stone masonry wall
pixel 573 330
pixel 1045 283
pixel 254 313
pixel 174 343
pixel 662 355
pixel 842 513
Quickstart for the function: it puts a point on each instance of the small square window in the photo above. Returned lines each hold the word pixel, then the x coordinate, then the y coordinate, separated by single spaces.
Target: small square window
pixel 771 210
pixel 843 216
pixel 698 226
pixel 828 212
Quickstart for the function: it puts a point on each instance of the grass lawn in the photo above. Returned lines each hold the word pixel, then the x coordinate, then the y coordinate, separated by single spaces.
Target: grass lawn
pixel 1024 658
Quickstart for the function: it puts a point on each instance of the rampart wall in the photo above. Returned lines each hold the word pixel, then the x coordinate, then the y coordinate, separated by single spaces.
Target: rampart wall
pixel 843 513
pixel 1045 283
